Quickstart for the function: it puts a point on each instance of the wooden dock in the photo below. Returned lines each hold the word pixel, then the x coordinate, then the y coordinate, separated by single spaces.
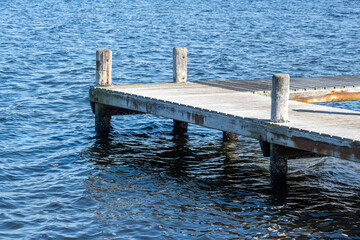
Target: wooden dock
pixel 244 107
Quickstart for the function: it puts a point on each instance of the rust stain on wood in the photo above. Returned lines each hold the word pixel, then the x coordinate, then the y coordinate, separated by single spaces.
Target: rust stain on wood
pixel 107 71
pixel 317 146
pixel 148 108
pixel 136 104
pixel 334 96
pixel 345 152
pixel 310 145
pixel 199 119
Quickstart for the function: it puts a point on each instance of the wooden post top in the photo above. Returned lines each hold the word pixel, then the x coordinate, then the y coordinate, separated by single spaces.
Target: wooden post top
pixel 179 64
pixel 281 77
pixel 280 98
pixel 103 67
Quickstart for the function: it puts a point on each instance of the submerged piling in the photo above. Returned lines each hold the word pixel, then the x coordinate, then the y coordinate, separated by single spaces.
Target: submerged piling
pixel 279 114
pixel 228 136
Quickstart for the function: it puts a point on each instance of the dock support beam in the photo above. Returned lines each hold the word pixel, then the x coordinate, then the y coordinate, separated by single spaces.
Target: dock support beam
pixel 102 119
pixel 103 78
pixel 279 114
pixel 278 165
pixel 180 127
pixel 180 76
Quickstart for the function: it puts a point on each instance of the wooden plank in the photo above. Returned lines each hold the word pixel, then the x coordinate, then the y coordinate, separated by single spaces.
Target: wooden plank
pixel 315 142
pixel 295 83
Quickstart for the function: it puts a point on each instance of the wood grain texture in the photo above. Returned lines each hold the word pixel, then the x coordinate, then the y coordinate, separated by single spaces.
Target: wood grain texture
pixel 180 64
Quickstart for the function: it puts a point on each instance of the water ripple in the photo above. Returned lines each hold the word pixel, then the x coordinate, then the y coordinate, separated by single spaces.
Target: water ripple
pixel 61 181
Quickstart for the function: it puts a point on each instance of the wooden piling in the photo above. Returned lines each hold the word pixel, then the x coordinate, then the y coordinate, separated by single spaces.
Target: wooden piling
pixel 279 114
pixel 228 136
pixel 280 98
pixel 103 78
pixel 278 164
pixel 180 127
pixel 103 67
pixel 180 76
pixel 102 119
pixel 265 148
pixel 180 64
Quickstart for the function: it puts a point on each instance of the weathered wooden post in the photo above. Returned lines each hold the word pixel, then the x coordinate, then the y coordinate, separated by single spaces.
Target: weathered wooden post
pixel 280 98
pixel 179 64
pixel 279 114
pixel 180 76
pixel 103 78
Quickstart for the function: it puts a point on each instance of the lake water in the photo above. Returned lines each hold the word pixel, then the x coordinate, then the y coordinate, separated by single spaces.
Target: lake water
pixel 59 180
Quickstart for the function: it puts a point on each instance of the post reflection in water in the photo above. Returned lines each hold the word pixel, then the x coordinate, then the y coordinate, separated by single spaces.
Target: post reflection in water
pixel 161 183
pixel 186 180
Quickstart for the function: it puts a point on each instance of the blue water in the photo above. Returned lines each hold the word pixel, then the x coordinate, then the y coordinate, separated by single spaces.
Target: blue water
pixel 59 180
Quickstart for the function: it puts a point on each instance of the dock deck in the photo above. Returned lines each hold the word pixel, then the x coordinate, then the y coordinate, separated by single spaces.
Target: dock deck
pixel 286 129
pixel 234 106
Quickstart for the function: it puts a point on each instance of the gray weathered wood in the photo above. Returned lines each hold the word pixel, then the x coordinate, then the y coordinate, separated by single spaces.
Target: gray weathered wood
pixel 180 112
pixel 309 89
pixel 103 67
pixel 313 128
pixel 279 114
pixel 180 76
pixel 180 64
pixel 280 98
pixel 295 153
